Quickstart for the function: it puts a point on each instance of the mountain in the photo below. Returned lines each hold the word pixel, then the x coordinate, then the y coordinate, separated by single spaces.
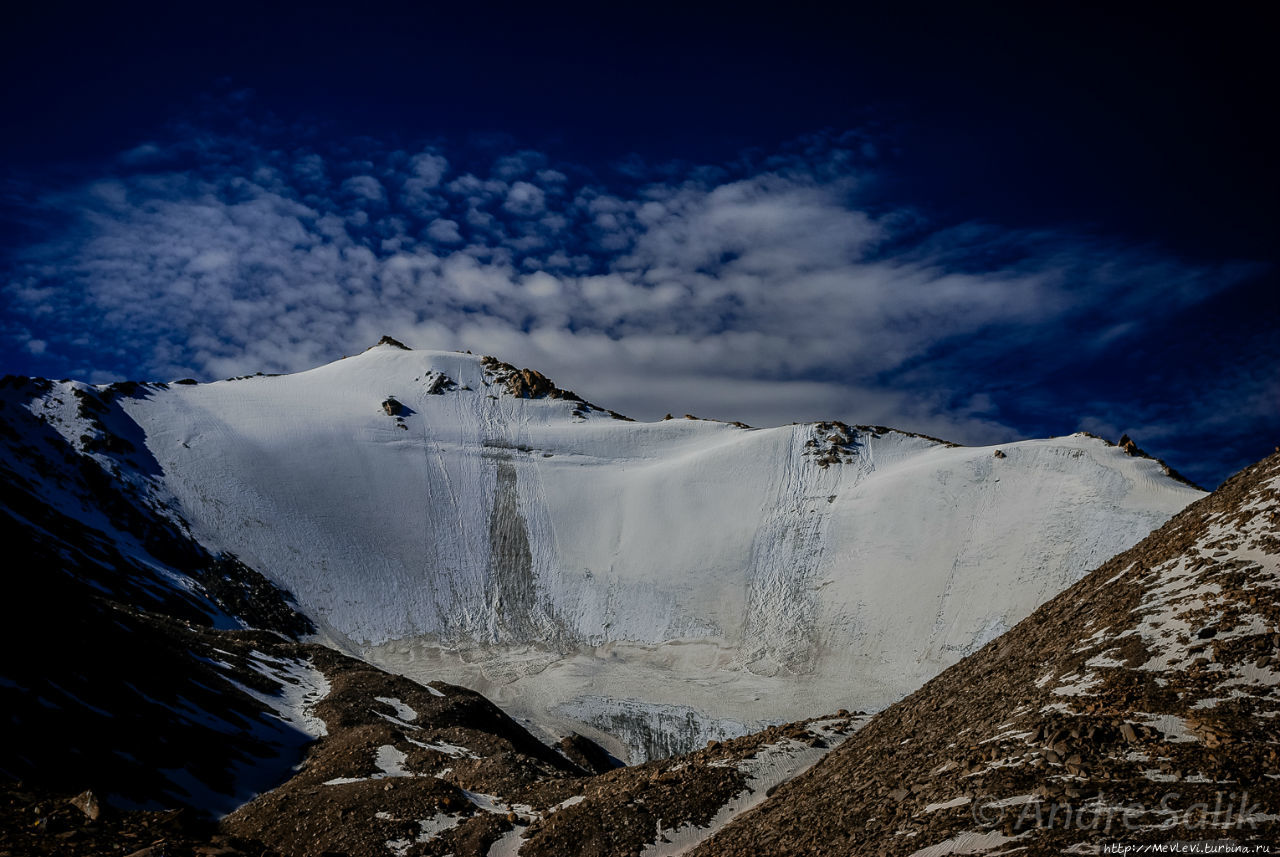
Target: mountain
pixel 1137 707
pixel 193 567
pixel 150 686
pixel 652 585
pixel 1134 708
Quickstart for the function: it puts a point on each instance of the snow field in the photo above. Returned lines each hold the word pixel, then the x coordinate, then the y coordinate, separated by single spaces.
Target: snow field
pixel 549 560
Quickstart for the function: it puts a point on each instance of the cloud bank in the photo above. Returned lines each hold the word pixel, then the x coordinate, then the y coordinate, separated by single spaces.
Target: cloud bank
pixel 772 289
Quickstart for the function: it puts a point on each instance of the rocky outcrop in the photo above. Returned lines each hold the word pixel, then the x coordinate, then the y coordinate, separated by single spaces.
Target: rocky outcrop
pixel 587 754
pixel 1130 448
pixel 665 806
pixel 524 383
pixel 393 342
pixel 531 384
pixel 406 769
pixel 245 593
pixel 39 822
pixel 831 443
pixel 438 383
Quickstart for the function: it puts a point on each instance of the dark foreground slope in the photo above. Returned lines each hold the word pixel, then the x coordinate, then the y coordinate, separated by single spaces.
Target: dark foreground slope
pixel 129 677
pixel 108 679
pixel 412 770
pixel 1138 706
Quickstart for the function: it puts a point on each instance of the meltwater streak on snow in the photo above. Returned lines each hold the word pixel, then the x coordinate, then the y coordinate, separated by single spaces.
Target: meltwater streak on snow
pixel 543 557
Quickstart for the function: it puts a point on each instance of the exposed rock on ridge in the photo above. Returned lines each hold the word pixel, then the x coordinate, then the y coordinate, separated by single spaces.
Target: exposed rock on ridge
pixel 531 384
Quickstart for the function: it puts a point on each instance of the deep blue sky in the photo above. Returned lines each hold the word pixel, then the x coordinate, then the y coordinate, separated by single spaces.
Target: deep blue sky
pixel 984 222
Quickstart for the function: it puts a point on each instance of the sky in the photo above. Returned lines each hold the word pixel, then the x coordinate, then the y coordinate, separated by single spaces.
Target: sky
pixel 983 223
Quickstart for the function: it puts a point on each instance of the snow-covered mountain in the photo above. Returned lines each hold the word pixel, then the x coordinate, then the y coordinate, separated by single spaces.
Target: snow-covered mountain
pixel 452 518
pixel 1137 707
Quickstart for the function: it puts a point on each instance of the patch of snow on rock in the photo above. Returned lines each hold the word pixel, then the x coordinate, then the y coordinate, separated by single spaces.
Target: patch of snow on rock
pixel 771 765
pixel 402 711
pixel 965 843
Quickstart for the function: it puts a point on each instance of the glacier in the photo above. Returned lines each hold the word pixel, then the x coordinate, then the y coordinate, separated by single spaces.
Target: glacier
pixel 447 517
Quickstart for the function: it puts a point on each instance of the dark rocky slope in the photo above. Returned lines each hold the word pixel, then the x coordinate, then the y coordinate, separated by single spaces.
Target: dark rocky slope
pixel 411 771
pixel 107 679
pixel 126 671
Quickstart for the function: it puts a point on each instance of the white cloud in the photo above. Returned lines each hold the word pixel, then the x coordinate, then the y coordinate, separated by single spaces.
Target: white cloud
pixel 769 296
pixel 311 169
pixel 428 168
pixel 525 200
pixel 520 164
pixel 365 187
pixel 210 261
pixel 444 232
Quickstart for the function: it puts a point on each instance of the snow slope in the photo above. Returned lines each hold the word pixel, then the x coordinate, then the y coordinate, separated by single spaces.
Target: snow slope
pixel 580 568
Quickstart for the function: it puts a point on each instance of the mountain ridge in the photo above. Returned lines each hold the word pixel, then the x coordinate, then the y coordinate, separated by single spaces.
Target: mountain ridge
pixel 100 489
pixel 498 532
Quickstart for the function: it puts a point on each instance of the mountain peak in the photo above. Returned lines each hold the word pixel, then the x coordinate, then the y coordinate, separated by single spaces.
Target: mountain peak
pixel 389 340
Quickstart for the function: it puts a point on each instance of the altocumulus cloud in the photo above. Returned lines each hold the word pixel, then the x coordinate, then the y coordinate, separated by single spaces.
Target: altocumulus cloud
pixel 768 290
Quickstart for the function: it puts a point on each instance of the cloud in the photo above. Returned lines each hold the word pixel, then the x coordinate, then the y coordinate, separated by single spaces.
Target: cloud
pixel 365 188
pixel 428 168
pixel 769 290
pixel 444 232
pixel 517 165
pixel 525 200
pixel 142 154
